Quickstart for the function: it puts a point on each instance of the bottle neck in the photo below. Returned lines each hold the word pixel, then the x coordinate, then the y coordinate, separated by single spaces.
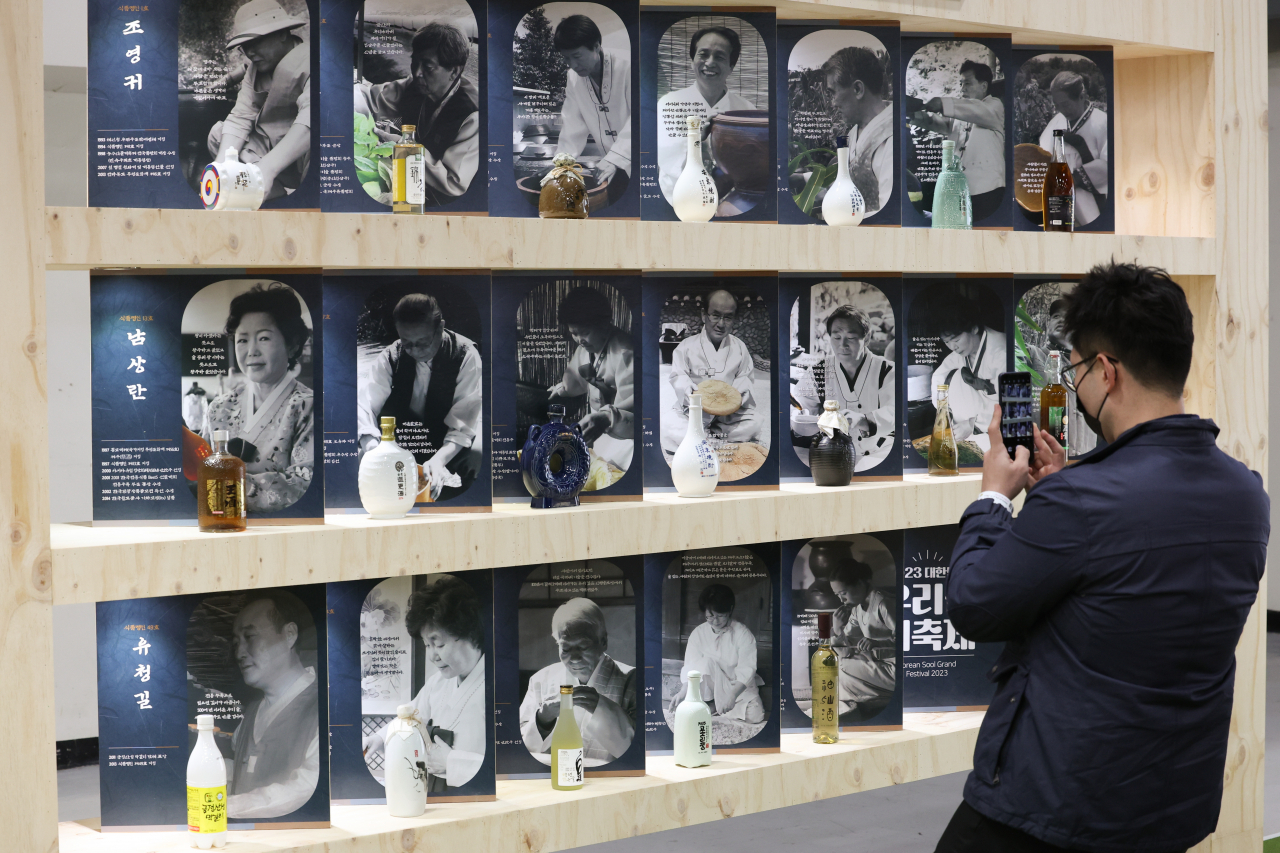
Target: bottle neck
pixel 1057 370
pixel 695 689
pixel 942 397
pixel 695 145
pixel 409 137
pixel 566 703
pixel 842 163
pixel 1059 149
pixel 695 422
pixel 389 433
pixel 219 445
pixel 948 158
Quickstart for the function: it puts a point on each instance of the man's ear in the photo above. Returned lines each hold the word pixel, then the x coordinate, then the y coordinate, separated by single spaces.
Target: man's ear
pixel 859 89
pixel 291 634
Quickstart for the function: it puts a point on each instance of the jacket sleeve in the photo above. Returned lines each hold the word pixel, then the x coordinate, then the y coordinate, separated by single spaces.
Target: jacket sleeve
pixel 1007 573
pixel 988 113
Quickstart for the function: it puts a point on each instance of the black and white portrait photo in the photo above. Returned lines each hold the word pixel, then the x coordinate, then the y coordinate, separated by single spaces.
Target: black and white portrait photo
pixel 577 626
pixel 252 664
pixel 716 67
pixel 717 620
pixel 247 344
pixel 716 341
pixel 419 360
pixel 845 352
pixel 1040 316
pixel 840 83
pixel 571 80
pixel 955 90
pixel 422 643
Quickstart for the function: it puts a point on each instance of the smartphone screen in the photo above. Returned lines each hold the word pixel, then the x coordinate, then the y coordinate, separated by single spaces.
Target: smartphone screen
pixel 1016 421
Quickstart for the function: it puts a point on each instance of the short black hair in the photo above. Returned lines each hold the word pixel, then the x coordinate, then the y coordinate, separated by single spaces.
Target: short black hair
pixel 449 604
pixel 717 598
pixel 418 308
pixel 585 306
pixel 576 31
pixel 857 63
pixel 850 571
pixel 981 71
pixel 735 43
pixel 285 608
pixel 450 45
pixel 280 301
pixel 1139 315
pixel 952 314
pixel 861 322
pixel 1056 304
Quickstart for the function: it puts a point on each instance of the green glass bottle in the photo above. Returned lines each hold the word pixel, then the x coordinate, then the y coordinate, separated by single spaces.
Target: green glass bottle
pixel 566 746
pixel 952 205
pixel 824 678
pixel 944 459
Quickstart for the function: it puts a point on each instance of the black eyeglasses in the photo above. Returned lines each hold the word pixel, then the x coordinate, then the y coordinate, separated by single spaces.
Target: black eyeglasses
pixel 1069 372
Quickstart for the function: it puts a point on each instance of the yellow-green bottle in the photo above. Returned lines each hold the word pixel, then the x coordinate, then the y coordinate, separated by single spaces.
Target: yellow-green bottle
pixel 944 457
pixel 566 746
pixel 824 677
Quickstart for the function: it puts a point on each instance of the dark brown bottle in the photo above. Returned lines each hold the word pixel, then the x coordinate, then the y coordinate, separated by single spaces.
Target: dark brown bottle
pixel 220 489
pixel 1053 402
pixel 1059 193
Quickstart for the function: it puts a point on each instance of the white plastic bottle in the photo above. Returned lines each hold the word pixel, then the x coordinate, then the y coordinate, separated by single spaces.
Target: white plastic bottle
pixel 695 197
pixel 843 203
pixel 404 765
pixel 692 728
pixel 695 467
pixel 388 477
pixel 206 789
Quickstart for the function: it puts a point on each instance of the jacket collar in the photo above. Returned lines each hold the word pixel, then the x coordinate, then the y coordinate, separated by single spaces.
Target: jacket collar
pixel 1171 429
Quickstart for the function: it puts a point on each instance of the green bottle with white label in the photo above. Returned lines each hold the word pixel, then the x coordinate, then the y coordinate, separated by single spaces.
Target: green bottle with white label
pixel 566 746
pixel 1053 403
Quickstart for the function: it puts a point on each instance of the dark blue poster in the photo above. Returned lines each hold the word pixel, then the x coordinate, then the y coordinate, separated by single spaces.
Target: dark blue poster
pixel 838 338
pixel 578 623
pixel 956 86
pixel 176 357
pixel 958 335
pixel 175 86
pixel 714 334
pixel 387 64
pixel 420 640
pixel 840 80
pixel 566 76
pixel 699 61
pixel 1073 91
pixel 372 373
pixel 944 671
pixel 254 660
pixel 714 611
pixel 857 578
pixel 561 338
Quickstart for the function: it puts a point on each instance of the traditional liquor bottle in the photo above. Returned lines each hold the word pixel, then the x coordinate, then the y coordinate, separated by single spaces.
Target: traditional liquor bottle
pixel 694 197
pixel 824 678
pixel 206 789
pixel 388 478
pixel 404 765
pixel 695 466
pixel 1059 195
pixel 566 746
pixel 943 457
pixel 408 178
pixel 843 203
pixel 1053 403
pixel 693 726
pixel 220 489
pixel 952 204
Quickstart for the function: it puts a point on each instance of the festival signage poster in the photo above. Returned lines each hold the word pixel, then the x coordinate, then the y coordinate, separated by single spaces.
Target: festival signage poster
pixel 420 640
pixel 840 79
pixel 162 661
pixel 173 86
pixel 714 335
pixel 382 328
pixel 176 357
pixel 857 578
pixel 579 623
pixel 839 340
pixel 714 611
pixel 388 63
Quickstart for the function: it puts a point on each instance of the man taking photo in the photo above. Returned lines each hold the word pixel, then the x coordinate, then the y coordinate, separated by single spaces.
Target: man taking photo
pixel 1120 590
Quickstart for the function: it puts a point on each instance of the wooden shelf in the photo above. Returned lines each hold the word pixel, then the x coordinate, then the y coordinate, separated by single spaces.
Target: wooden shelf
pixel 106 563
pixel 529 817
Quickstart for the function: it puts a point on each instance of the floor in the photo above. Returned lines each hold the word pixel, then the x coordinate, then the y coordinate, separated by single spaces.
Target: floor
pixel 902 819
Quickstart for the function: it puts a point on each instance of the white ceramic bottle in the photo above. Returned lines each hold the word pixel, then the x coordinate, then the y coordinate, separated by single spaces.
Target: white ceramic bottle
pixel 843 204
pixel 695 197
pixel 206 789
pixel 388 477
pixel 229 184
pixel 693 726
pixel 695 467
pixel 404 765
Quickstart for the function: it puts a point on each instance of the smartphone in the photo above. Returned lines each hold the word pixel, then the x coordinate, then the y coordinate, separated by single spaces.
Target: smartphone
pixel 1016 427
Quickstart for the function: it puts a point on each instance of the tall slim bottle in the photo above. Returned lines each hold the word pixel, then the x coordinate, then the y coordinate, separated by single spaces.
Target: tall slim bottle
pixel 220 489
pixel 206 789
pixel 1053 402
pixel 693 726
pixel 695 197
pixel 952 204
pixel 1059 194
pixel 566 746
pixel 824 678
pixel 408 178
pixel 944 459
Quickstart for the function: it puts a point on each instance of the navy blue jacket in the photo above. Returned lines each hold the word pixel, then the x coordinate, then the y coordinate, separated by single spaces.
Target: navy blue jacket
pixel 1121 590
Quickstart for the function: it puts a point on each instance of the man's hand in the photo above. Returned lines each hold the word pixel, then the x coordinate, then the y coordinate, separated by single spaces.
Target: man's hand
pixel 369 442
pixel 605 171
pixel 933 105
pixel 374 744
pixel 1051 457
pixel 435 469
pixel 586 698
pixel 1000 473
pixel 548 713
pixel 594 425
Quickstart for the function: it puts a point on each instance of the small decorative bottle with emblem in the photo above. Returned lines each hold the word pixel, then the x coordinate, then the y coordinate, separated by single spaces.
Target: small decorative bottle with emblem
pixel 389 478
pixel 220 489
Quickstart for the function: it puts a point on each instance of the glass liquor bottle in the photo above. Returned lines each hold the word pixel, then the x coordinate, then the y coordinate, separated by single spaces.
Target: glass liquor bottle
pixel 1053 403
pixel 1058 198
pixel 566 746
pixel 220 489
pixel 943 455
pixel 408 180
pixel 824 678
pixel 952 204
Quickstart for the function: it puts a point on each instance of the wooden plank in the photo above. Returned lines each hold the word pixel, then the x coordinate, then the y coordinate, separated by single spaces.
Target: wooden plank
pixel 1201 394
pixel 84 238
pixel 529 817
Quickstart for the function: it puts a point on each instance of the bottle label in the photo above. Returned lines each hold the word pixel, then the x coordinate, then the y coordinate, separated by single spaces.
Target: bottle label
pixel 570 766
pixel 1060 211
pixel 704 737
pixel 224 498
pixel 415 190
pixel 207 809
pixel 1058 424
pixel 706 460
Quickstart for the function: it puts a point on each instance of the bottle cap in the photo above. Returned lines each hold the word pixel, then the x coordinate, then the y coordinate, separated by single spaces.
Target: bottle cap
pixel 695 400
pixel 824 626
pixel 221 435
pixel 948 143
pixel 1054 354
pixel 943 387
pixel 830 406
pixel 842 142
pixel 387 422
pixel 693 673
pixel 694 122
pixel 1059 132
pixel 204 722
pixel 405 128
pixel 405 712
pixel 566 689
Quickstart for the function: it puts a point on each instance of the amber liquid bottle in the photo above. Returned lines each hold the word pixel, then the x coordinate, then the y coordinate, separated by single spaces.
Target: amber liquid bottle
pixel 220 489
pixel 944 459
pixel 1059 194
pixel 1053 403
pixel 408 180
pixel 824 678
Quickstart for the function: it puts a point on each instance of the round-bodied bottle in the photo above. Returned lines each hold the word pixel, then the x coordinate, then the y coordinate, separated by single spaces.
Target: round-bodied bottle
pixel 843 203
pixel 952 204
pixel 695 467
pixel 404 765
pixel 388 478
pixel 694 197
